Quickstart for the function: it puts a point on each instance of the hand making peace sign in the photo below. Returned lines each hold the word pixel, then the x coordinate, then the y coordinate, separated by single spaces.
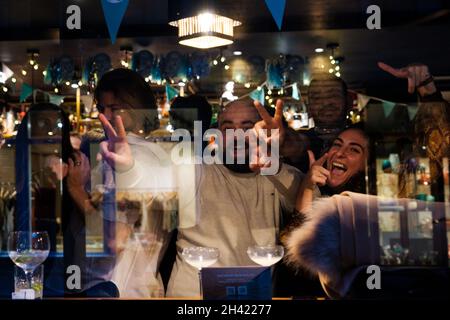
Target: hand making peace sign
pixel 317 174
pixel 274 134
pixel 116 150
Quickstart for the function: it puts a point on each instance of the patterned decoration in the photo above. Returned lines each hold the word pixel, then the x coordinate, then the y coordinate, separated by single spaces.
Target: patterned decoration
pixel 142 63
pixel 200 64
pixel 275 76
pixel 175 66
pixel 67 68
pixel 95 68
pixel 294 68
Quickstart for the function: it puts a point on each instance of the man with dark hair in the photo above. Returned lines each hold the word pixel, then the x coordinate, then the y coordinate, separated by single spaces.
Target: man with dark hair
pixel 238 207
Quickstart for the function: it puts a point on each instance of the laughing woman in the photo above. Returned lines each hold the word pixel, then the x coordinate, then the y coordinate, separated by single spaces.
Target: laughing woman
pixel 340 169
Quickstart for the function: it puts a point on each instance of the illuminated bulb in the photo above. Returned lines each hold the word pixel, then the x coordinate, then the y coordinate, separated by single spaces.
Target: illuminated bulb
pixel 14 80
pixel 159 82
pixel 227 67
pixel 182 84
pixel 319 50
pixel 32 62
pixel 337 68
pixel 338 74
pixel 172 81
pixel 88 93
pixel 222 59
pixel 67 83
pixel 237 53
pixel 74 85
pixel 281 91
pixel 24 73
pixel 80 83
pixel 36 66
pixel 198 77
pixel 50 133
pixel 333 61
pixel 247 85
pixel 44 73
pixel 267 97
pixel 147 79
pixel 215 62
pixel 269 92
pixel 259 88
pixel 331 58
pixel 5 89
pixel 331 71
pixel 270 101
pixel 56 90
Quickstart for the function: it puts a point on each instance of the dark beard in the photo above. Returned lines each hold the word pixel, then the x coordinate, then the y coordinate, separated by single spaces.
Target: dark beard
pixel 239 168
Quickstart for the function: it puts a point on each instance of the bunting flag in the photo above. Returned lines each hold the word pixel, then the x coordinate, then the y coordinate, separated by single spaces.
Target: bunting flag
pixel 388 107
pixel 5 73
pixel 412 111
pixel 114 10
pixel 25 92
pixel 295 92
pixel 171 93
pixel 258 95
pixel 55 99
pixel 363 100
pixel 276 8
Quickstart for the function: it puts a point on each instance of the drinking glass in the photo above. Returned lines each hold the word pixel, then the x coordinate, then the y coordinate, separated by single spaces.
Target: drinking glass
pixel 200 257
pixel 28 250
pixel 265 255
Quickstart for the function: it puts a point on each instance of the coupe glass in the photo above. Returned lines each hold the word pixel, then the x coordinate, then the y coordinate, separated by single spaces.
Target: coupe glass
pixel 200 257
pixel 265 255
pixel 28 250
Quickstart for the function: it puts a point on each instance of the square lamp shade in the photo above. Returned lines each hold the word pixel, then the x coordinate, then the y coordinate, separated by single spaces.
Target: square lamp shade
pixel 206 30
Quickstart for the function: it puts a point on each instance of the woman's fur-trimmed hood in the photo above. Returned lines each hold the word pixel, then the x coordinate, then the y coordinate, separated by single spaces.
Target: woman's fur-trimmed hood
pixel 315 245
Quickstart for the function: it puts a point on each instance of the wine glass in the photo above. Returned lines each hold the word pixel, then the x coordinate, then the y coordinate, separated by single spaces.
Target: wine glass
pixel 265 255
pixel 28 250
pixel 200 257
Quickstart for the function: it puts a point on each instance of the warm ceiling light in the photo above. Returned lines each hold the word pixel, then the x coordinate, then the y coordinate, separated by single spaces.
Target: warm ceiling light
pixel 206 30
pixel 237 53
pixel 319 50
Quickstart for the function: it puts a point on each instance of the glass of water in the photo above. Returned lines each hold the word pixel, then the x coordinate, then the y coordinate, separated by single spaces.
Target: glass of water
pixel 28 250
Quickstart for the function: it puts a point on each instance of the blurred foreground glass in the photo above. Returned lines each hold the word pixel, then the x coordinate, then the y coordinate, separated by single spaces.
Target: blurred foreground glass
pixel 28 250
pixel 265 256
